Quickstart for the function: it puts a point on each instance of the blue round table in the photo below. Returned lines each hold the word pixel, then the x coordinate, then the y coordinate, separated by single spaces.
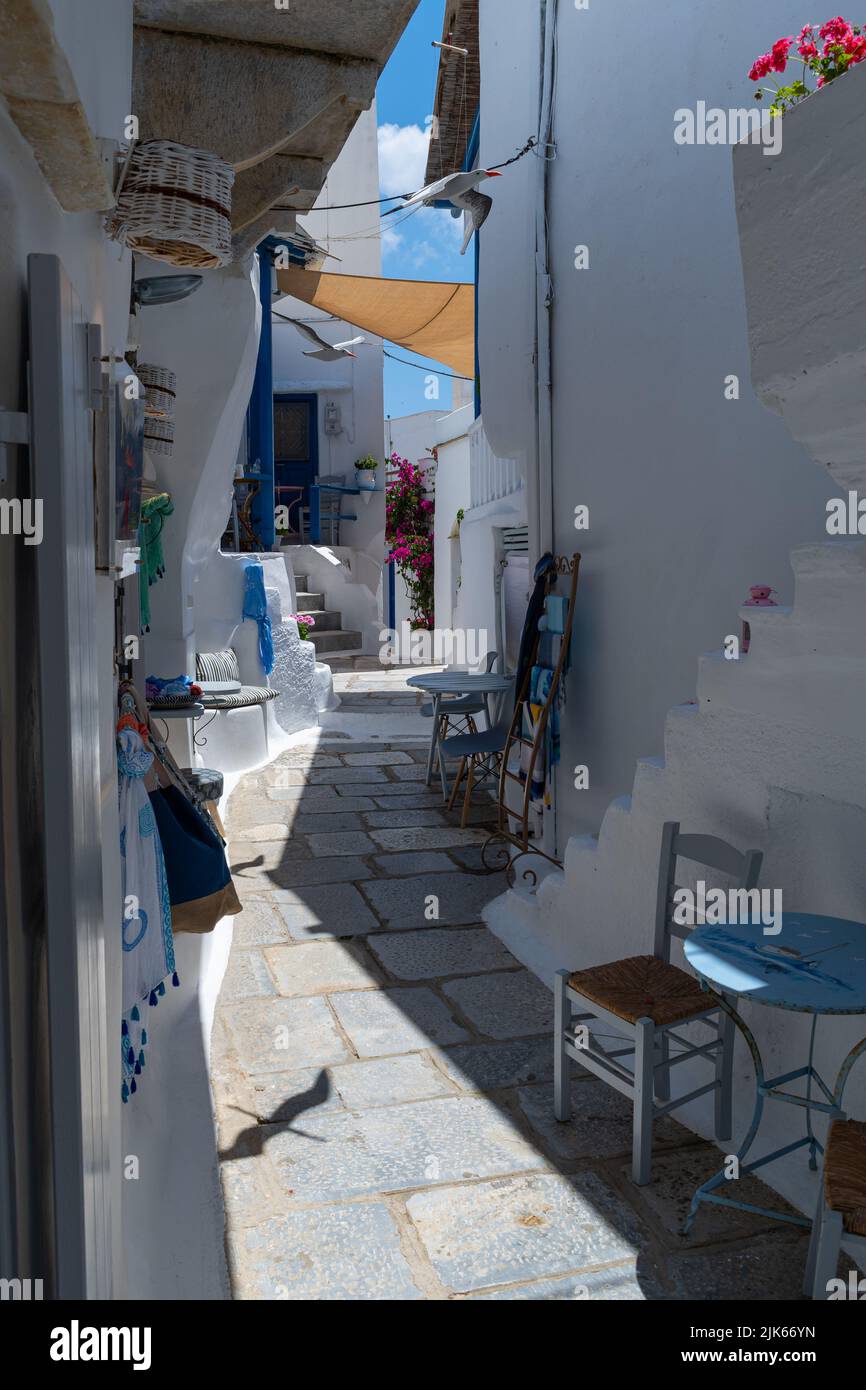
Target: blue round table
pixel 813 965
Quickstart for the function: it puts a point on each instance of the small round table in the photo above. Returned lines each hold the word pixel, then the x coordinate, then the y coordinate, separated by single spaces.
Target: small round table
pixel 813 965
pixel 439 683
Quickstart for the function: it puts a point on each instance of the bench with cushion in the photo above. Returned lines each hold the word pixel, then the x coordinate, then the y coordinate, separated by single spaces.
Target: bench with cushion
pixel 223 666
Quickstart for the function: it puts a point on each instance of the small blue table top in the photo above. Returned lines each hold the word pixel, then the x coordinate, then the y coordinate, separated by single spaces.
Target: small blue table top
pixel 461 682
pixel 814 965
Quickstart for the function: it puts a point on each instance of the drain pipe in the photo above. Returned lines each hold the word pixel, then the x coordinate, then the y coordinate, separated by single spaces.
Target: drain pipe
pixel 544 289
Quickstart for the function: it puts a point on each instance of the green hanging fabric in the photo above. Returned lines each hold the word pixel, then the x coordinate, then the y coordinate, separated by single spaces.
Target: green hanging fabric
pixel 154 510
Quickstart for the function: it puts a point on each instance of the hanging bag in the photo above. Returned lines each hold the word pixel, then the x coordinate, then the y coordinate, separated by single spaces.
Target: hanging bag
pixel 200 886
pixel 199 882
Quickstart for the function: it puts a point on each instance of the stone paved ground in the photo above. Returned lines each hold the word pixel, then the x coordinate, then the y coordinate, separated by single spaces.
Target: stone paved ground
pixel 382 1068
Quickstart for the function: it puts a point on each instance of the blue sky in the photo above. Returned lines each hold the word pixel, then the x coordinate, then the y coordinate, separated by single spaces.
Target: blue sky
pixel 426 246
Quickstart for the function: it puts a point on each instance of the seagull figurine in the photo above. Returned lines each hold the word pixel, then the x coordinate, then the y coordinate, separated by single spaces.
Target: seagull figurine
pixel 461 191
pixel 324 352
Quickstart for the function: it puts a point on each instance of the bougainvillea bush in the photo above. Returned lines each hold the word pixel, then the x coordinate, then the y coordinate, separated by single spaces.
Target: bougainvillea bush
pixel 408 529
pixel 827 50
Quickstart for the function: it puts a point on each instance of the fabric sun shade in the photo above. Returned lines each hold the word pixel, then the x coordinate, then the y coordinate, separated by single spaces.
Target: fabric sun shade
pixel 435 320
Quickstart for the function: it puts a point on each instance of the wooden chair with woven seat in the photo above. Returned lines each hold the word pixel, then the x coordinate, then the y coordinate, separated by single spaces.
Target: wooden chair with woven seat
pixel 641 1000
pixel 841 1214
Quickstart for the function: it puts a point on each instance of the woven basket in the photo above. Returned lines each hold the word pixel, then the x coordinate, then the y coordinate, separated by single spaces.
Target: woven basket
pixel 175 204
pixel 160 390
pixel 158 435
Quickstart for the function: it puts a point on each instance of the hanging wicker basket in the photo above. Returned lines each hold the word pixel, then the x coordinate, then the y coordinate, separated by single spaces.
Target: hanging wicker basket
pixel 174 204
pixel 158 435
pixel 160 390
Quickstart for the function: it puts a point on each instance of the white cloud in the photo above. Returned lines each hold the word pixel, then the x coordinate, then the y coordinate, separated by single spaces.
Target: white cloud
pixel 391 239
pixel 402 157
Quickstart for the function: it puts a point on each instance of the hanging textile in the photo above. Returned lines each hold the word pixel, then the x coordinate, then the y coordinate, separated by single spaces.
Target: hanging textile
pixel 154 511
pixel 256 608
pixel 148 947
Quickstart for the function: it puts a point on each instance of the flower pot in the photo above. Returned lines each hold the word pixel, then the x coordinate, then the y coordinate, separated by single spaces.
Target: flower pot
pixel 365 479
pixel 802 226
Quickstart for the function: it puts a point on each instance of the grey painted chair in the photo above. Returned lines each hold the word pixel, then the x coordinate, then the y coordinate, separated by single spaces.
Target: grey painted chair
pixel 641 1000
pixel 460 709
pixel 840 1217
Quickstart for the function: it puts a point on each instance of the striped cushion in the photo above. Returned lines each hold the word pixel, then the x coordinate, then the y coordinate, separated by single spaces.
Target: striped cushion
pixel 246 696
pixel 217 666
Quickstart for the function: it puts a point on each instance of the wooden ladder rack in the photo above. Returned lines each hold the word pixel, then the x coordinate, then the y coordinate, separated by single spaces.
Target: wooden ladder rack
pixel 495 853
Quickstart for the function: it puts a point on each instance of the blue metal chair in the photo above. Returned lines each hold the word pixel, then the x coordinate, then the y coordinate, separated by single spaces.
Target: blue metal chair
pixel 330 491
pixel 641 1001
pixel 461 709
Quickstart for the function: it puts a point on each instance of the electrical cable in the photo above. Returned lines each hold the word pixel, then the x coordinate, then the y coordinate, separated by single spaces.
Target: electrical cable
pixel 375 202
pixel 453 376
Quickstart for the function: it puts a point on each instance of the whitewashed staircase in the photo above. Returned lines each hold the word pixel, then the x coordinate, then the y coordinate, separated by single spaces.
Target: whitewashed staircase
pixel 328 636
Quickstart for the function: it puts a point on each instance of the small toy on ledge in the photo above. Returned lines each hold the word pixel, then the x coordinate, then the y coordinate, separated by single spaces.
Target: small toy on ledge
pixel 760 598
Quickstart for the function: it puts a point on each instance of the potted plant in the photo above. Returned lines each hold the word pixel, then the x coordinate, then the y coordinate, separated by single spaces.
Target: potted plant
pixel 365 473
pixel 305 621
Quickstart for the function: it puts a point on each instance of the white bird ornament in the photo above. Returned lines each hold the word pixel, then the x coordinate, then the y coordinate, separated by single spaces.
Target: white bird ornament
pixel 324 352
pixel 461 191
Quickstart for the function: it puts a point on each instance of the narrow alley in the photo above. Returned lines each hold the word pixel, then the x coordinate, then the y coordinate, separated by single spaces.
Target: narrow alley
pixel 382 1066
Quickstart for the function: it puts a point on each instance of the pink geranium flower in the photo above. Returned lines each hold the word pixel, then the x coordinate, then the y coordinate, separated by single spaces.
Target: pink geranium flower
pixel 760 67
pixel 779 54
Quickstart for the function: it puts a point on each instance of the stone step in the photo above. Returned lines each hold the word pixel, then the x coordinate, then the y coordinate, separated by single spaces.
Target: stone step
pixel 301 581
pixel 336 641
pixel 326 620
pixel 309 602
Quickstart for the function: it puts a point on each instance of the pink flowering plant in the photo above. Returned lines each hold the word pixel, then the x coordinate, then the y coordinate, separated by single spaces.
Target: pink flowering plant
pixel 305 621
pixel 408 529
pixel 827 50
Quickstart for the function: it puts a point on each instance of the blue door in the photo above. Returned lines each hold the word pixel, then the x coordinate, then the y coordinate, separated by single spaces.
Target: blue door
pixel 296 455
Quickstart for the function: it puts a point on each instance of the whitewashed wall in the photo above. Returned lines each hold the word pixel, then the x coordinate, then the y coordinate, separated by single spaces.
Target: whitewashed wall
pixel 98 47
pixel 692 498
pixel 353 385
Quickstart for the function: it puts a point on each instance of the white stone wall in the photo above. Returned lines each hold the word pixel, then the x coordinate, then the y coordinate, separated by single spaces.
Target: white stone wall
pixel 772 753
pixel 692 497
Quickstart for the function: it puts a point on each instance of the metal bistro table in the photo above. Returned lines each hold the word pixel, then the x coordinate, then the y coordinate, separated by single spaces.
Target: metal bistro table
pixel 442 683
pixel 814 965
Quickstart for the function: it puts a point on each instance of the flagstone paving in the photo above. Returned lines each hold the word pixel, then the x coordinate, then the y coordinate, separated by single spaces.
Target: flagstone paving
pixel 381 1067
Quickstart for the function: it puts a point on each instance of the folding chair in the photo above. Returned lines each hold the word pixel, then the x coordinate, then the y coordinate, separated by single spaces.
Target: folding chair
pixel 641 1000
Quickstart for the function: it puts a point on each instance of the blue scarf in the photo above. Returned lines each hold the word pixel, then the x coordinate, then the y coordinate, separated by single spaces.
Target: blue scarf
pixel 256 608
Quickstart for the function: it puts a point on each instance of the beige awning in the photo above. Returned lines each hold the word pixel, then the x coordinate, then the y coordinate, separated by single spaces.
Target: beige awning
pixel 425 316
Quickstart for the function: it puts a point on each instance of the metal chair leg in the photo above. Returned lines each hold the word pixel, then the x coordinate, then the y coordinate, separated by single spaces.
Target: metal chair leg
pixel 642 1134
pixel 470 779
pixel 724 1121
pixel 561 1059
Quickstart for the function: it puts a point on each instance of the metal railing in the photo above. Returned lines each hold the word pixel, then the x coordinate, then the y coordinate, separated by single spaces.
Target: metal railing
pixel 490 478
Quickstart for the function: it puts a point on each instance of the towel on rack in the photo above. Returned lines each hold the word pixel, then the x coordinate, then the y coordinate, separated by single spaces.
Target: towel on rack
pixel 256 608
pixel 154 510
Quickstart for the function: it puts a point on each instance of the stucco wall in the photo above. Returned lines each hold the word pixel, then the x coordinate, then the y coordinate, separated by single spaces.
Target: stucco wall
pixel 356 384
pixel 98 47
pixel 692 497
